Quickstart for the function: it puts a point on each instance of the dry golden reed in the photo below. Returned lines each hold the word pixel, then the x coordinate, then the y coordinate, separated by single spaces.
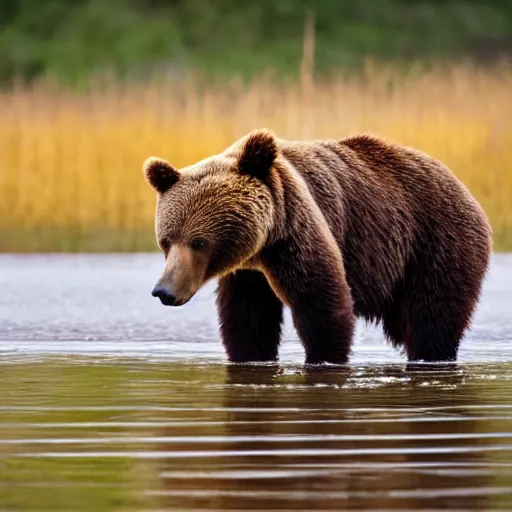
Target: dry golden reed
pixel 70 163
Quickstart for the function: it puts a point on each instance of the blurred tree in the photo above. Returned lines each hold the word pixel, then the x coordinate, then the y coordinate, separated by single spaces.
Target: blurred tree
pixel 73 39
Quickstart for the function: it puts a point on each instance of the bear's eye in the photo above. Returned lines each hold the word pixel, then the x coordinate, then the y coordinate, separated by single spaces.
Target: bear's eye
pixel 164 245
pixel 198 244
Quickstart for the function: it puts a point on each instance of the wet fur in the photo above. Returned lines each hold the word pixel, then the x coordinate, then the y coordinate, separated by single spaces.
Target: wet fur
pixel 366 226
pixel 356 227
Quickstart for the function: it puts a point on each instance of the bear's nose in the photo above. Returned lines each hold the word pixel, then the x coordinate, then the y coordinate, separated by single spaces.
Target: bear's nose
pixel 166 298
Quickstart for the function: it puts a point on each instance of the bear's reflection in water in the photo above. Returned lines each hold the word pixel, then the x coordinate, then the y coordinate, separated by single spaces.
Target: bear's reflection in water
pixel 368 438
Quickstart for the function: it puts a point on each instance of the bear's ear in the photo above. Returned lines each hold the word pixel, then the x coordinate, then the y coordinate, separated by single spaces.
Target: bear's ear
pixel 160 174
pixel 259 150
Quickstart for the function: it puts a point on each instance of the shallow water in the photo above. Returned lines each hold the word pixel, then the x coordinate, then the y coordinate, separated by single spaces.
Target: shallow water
pixel 109 401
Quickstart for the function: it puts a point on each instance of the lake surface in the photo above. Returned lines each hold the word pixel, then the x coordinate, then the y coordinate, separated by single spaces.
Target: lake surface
pixel 110 401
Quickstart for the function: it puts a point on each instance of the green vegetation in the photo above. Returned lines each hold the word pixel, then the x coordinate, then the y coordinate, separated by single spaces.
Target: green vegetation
pixel 72 40
pixel 80 144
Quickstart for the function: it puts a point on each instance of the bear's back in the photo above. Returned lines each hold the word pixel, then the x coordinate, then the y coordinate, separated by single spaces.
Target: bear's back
pixel 381 200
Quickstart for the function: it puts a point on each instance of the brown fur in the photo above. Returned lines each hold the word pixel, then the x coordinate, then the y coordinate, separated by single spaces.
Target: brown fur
pixel 334 229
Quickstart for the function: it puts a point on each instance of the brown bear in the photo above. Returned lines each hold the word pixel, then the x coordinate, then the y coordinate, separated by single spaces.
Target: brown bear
pixel 333 229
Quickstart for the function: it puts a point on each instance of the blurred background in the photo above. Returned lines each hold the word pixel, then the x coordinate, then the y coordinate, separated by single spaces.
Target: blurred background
pixel 90 88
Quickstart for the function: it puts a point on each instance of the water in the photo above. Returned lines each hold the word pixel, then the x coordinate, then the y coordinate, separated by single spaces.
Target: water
pixel 109 401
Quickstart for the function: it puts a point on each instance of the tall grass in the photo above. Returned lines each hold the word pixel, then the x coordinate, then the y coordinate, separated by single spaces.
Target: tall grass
pixel 70 163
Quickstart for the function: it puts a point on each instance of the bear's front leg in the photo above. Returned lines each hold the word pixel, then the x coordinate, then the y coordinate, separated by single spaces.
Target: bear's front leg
pixel 311 280
pixel 250 317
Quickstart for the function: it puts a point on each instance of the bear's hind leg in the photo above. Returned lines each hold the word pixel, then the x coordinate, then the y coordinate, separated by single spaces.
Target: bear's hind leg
pixel 250 317
pixel 439 310
pixel 393 322
pixel 431 337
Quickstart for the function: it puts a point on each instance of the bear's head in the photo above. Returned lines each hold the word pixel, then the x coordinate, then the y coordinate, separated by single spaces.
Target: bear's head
pixel 213 216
